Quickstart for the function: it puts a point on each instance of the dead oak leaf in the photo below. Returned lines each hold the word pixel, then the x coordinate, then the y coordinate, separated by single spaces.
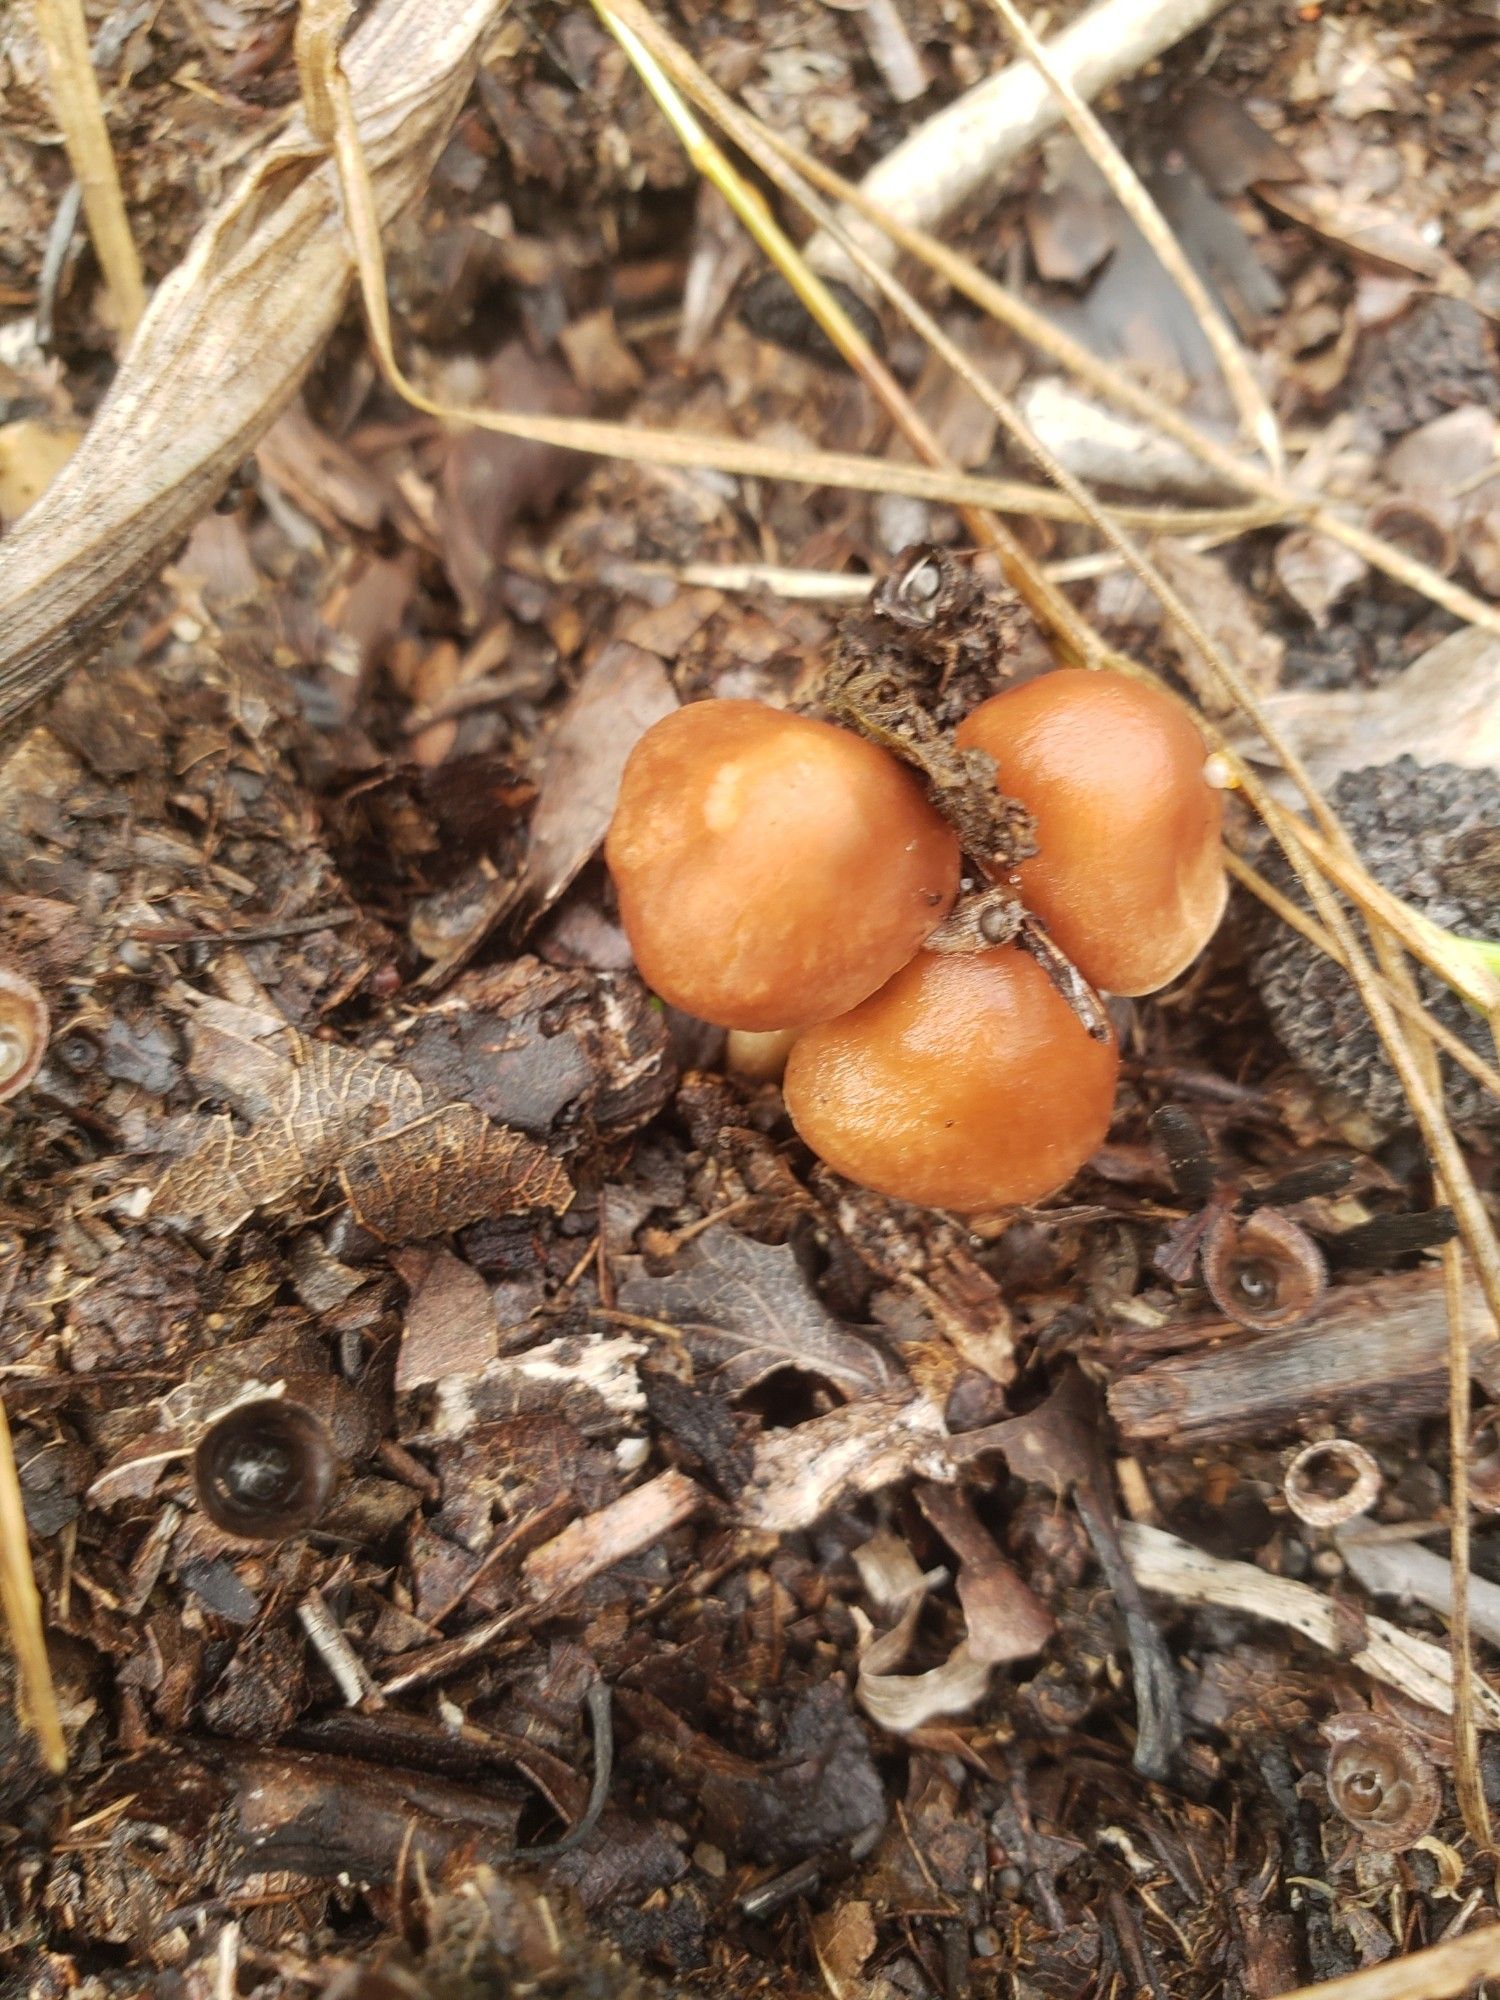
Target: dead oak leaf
pixel 410 1165
pixel 746 1311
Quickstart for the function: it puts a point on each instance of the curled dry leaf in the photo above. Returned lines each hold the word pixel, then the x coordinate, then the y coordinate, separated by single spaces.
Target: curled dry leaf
pixel 23 1031
pixel 224 342
pixel 890 1574
pixel 1444 709
pixel 844 1940
pixel 1228 614
pixel 1316 572
pixel 410 1165
pixel 1006 1620
pixel 1264 1272
pixel 1381 1781
pixel 1445 453
pixel 904 1702
pixel 1331 1482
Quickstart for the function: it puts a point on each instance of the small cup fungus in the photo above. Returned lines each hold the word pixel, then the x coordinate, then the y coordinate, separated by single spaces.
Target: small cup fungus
pixel 966 1082
pixel 23 1031
pixel 266 1469
pixel 773 871
pixel 1128 876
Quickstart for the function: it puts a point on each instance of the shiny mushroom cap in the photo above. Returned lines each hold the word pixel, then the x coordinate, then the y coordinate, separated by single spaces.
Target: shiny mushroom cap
pixel 966 1082
pixel 1129 877
pixel 773 871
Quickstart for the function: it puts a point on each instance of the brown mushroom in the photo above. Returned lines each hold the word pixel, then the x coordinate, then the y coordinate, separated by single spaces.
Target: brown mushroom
pixel 966 1082
pixel 773 871
pixel 1128 877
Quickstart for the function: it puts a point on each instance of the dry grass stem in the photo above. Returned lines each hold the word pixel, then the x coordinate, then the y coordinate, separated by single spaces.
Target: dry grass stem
pixel 1434 1974
pixel 76 103
pixel 1249 398
pixel 22 1605
pixel 1060 347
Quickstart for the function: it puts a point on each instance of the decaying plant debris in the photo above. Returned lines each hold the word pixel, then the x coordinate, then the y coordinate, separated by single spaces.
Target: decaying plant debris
pixel 505 1518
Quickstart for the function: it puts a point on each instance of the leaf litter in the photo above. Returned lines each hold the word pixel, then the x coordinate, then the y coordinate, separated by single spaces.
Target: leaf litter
pixel 624 1397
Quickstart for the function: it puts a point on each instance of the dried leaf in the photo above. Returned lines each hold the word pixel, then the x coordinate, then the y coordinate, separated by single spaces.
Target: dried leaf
pixel 903 1702
pixel 1444 709
pixel 746 1311
pixel 1316 572
pixel 450 1328
pixel 489 481
pixel 1226 145
pixel 1367 231
pixel 844 1940
pixel 1006 1619
pixel 623 693
pixel 410 1167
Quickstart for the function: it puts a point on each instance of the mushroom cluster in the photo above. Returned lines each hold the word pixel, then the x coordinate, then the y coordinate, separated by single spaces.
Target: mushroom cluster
pixel 776 872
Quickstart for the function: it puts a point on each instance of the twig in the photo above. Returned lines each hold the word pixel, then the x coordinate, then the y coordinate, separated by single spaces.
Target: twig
pixel 75 100
pixel 1176 1569
pixel 1255 411
pixel 967 145
pixel 601 1721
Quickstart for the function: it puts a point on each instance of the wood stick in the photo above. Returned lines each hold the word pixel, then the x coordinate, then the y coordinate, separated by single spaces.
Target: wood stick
pixel 1376 1351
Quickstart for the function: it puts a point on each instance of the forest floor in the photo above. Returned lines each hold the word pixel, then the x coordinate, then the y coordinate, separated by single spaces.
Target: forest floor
pixel 731 1582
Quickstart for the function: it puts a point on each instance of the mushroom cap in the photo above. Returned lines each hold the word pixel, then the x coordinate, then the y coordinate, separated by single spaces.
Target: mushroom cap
pixel 772 870
pixel 966 1082
pixel 1129 877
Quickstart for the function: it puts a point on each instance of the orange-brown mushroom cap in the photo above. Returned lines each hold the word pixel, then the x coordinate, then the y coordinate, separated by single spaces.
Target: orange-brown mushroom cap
pixel 967 1082
pixel 1129 878
pixel 772 870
